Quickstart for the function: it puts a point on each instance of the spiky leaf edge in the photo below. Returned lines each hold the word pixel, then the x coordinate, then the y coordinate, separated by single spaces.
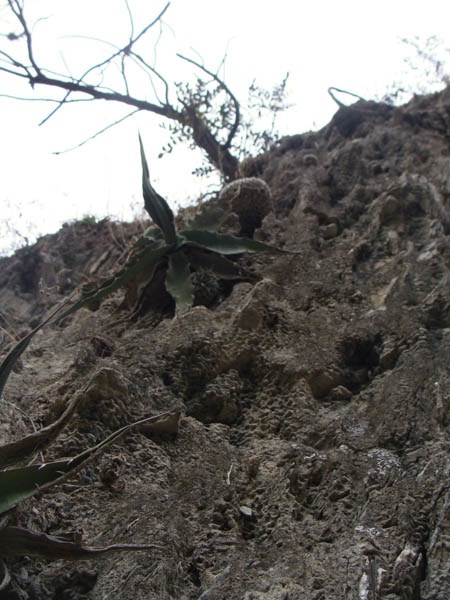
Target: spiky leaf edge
pixel 23 482
pixel 146 257
pixel 225 243
pixel 155 205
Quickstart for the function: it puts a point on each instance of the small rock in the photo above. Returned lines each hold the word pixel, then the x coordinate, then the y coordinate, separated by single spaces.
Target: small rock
pixel 388 358
pixel 390 209
pixel 322 382
pixel 246 511
pixel 330 231
pixel 340 394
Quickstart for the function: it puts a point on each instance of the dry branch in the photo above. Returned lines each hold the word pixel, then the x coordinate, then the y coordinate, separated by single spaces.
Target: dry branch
pixel 186 115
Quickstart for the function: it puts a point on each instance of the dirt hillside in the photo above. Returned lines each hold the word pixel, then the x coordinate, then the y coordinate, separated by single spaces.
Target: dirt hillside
pixel 312 458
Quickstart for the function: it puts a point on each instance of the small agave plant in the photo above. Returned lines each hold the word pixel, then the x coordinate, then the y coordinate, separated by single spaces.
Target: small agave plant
pixel 182 253
pixel 18 483
pixel 177 253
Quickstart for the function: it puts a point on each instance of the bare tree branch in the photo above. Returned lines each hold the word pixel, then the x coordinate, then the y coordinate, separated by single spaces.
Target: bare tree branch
pixel 124 51
pixel 139 62
pixel 203 129
pixel 91 137
pixel 15 63
pixel 98 94
pixel 5 70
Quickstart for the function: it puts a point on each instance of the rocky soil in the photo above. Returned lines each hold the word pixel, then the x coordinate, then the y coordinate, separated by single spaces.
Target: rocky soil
pixel 312 459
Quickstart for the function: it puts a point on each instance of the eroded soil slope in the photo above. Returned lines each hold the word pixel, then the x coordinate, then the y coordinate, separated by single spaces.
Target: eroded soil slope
pixel 312 459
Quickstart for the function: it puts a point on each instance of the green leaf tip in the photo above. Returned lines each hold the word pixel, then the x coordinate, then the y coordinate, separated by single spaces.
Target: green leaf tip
pixel 154 204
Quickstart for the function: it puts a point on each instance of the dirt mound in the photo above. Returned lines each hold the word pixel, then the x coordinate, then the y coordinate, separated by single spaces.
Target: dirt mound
pixel 312 457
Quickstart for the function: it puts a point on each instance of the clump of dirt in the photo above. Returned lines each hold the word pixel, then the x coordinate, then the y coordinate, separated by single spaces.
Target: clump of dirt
pixel 312 456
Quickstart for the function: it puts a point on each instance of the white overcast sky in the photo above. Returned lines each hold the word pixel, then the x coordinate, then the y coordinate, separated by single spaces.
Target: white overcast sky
pixel 350 44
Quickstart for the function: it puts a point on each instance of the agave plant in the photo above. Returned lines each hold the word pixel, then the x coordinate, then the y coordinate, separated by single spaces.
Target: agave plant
pixel 21 482
pixel 183 252
pixel 18 483
pixel 177 253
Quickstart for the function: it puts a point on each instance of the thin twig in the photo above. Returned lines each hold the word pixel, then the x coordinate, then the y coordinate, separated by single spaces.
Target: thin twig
pixel 124 77
pixel 223 85
pixel 229 474
pixel 152 70
pixel 13 62
pixel 90 138
pixel 338 102
pixel 130 16
pixel 138 61
pixel 71 101
pixel 124 50
pixel 155 47
pixel 18 12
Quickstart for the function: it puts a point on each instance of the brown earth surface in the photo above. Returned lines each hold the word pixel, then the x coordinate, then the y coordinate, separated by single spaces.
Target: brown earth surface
pixel 312 458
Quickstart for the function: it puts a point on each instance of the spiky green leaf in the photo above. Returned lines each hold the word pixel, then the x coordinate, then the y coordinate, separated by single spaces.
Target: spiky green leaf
pixel 143 260
pixel 155 205
pixel 11 358
pixel 17 450
pixel 14 354
pixel 149 256
pixel 178 281
pixel 22 482
pixel 225 243
pixel 221 266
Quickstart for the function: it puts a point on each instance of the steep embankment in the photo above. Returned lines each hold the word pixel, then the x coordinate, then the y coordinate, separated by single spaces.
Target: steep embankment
pixel 312 460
